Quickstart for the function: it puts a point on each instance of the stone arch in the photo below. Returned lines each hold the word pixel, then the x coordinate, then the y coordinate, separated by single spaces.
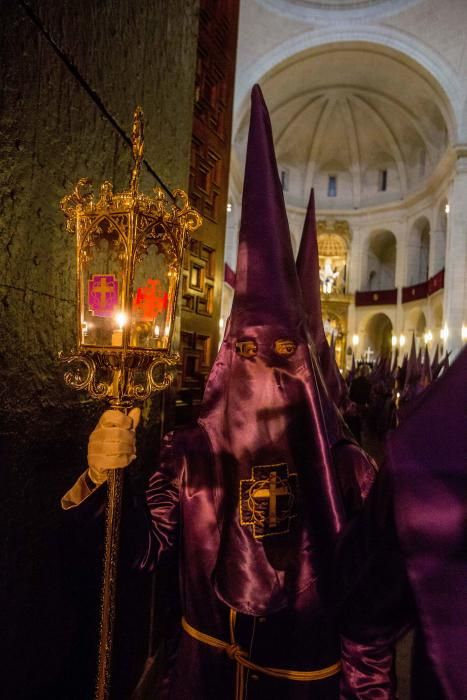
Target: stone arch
pixel 416 323
pixel 333 249
pixel 378 333
pixel 418 251
pixel 380 270
pixel 437 318
pixel 445 79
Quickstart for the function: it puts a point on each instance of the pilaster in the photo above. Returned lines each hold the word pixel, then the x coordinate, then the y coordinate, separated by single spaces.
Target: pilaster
pixel 455 297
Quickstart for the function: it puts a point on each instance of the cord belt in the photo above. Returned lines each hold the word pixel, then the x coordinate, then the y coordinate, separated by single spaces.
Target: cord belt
pixel 237 654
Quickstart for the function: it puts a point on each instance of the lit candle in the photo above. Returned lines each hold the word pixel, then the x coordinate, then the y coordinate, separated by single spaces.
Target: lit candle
pixel 117 335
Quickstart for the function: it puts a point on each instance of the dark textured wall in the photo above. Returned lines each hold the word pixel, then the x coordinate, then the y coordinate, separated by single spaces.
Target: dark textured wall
pixel 53 131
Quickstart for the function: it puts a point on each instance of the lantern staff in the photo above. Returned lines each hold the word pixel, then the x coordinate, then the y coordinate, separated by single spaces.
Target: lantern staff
pixel 129 254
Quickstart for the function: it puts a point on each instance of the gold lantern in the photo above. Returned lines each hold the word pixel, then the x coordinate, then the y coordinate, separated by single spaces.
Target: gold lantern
pixel 129 250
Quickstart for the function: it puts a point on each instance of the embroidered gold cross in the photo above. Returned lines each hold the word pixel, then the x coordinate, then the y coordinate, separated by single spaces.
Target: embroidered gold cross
pixel 267 500
pixel 272 491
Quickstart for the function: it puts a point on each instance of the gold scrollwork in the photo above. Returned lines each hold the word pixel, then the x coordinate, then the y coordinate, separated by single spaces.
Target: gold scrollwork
pixel 142 391
pixel 76 202
pixel 75 377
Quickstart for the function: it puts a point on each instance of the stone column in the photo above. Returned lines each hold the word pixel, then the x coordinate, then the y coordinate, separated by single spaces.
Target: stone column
pixel 412 254
pixel 455 290
pixel 356 260
pixel 400 276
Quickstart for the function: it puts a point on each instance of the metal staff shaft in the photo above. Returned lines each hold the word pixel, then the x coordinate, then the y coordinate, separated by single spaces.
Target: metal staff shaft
pixel 111 549
pixel 109 582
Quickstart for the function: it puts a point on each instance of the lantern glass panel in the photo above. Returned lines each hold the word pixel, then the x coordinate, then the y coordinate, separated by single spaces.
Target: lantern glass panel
pixel 102 286
pixel 152 303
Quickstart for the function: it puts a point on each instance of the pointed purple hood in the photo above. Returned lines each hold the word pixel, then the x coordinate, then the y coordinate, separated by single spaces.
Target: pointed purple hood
pixel 435 363
pixel 279 506
pixel 266 290
pixel 426 369
pixel 308 275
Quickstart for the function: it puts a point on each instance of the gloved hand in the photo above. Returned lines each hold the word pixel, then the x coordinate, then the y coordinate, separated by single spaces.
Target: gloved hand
pixel 112 443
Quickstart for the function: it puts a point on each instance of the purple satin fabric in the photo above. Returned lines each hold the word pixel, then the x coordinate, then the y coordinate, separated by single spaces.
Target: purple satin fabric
pixel 267 289
pixel 261 411
pixel 308 275
pixel 368 672
pixel 428 459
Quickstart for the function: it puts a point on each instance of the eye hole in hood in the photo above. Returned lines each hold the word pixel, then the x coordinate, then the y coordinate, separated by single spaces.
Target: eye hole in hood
pixel 284 347
pixel 246 348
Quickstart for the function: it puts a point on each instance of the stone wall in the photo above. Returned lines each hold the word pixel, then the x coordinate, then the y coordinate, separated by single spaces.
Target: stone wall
pixel 72 74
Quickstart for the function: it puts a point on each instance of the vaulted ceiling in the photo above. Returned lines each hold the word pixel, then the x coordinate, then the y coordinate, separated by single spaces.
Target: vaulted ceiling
pixel 353 111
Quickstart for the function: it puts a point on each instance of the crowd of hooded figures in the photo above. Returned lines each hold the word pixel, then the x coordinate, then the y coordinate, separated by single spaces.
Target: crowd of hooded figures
pixel 375 397
pixel 300 561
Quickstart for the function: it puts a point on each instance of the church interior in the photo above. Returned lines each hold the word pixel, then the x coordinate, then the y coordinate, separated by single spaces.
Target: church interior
pixel 368 105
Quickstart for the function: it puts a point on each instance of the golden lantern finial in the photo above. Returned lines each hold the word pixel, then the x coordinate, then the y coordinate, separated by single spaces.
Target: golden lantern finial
pixel 137 147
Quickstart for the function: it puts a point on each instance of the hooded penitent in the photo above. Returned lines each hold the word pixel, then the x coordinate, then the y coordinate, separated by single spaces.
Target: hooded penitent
pixel 427 455
pixel 280 507
pixel 308 274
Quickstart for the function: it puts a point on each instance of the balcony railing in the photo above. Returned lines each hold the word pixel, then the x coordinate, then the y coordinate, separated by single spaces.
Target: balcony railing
pixel 377 297
pixel 423 289
pixel 436 282
pixel 414 292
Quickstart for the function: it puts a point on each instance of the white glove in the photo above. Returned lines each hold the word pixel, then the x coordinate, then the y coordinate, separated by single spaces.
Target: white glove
pixel 112 443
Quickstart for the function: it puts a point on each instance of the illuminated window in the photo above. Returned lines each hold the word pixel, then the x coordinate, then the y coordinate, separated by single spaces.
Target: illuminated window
pixel 332 186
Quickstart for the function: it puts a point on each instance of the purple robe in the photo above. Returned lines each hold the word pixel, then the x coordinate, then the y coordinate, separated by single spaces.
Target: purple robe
pixel 183 499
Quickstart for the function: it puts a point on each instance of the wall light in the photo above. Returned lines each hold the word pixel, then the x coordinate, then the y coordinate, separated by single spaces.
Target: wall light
pixel 355 339
pixel 402 340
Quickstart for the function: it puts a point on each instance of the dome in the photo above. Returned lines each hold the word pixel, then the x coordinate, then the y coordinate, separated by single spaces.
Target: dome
pixel 315 10
pixel 361 124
